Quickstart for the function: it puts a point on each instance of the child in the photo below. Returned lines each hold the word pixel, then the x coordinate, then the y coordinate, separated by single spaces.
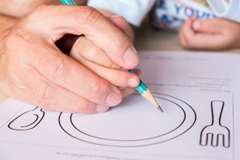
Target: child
pixel 174 14
pixel 170 15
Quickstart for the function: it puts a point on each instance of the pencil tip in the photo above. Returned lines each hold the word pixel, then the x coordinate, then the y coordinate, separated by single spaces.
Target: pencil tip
pixel 160 108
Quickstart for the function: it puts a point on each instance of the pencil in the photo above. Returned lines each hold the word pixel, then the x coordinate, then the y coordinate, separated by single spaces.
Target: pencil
pixel 68 2
pixel 141 88
pixel 146 93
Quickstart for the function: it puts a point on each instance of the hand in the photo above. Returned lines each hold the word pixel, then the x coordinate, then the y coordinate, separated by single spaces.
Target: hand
pixel 93 57
pixel 33 69
pixel 211 34
pixel 120 22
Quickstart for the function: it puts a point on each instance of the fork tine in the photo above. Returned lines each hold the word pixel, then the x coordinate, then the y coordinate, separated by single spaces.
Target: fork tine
pixel 203 138
pixel 215 139
pixel 226 140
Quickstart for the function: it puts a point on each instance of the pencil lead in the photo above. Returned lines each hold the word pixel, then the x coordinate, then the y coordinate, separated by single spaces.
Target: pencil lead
pixel 159 108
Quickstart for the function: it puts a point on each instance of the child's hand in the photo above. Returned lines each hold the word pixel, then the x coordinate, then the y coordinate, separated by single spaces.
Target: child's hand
pixel 90 55
pixel 211 34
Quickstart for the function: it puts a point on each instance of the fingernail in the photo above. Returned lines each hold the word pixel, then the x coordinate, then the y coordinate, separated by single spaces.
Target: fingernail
pixel 115 16
pixel 101 109
pixel 113 98
pixel 196 25
pixel 133 82
pixel 123 69
pixel 131 57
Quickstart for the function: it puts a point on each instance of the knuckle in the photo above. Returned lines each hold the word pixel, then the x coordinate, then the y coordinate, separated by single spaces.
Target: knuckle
pixel 90 15
pixel 18 38
pixel 13 39
pixel 96 52
pixel 102 58
pixel 96 87
pixel 113 65
pixel 42 91
pixel 57 67
pixel 120 78
pixel 83 106
pixel 38 11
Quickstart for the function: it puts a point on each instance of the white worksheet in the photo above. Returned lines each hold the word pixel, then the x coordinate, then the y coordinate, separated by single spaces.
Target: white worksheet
pixel 198 91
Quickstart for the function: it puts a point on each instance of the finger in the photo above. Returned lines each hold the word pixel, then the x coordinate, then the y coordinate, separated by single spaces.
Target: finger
pixel 40 91
pixel 84 48
pixel 116 77
pixel 88 21
pixel 208 41
pixel 67 73
pixel 59 104
pixel 120 22
pixel 127 91
pixel 198 40
pixel 186 33
pixel 215 25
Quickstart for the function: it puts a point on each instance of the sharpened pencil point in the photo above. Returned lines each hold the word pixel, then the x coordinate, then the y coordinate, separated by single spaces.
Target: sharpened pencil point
pixel 159 108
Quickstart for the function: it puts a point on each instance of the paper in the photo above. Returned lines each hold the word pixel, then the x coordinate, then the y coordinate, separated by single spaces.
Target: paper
pixel 198 91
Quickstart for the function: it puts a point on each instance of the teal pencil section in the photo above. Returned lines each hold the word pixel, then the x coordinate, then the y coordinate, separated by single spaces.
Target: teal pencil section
pixel 141 88
pixel 68 2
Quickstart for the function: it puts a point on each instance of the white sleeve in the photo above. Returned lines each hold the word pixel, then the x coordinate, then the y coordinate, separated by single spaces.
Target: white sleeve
pixel 133 10
pixel 229 10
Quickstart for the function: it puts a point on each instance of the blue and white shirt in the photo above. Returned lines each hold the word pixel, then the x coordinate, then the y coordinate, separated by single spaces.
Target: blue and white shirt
pixel 170 14
pixel 165 14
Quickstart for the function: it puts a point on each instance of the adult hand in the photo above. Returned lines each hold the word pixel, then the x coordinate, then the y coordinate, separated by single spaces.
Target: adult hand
pixel 35 71
pixel 211 34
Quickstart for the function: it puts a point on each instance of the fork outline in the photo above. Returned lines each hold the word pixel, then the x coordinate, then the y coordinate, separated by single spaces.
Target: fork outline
pixel 207 137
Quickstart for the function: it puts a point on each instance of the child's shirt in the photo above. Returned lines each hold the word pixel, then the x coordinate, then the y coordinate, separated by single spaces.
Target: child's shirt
pixel 170 14
pixel 229 9
pixel 133 10
pixel 165 14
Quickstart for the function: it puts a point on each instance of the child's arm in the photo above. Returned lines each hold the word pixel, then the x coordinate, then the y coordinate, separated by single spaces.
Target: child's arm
pixel 211 34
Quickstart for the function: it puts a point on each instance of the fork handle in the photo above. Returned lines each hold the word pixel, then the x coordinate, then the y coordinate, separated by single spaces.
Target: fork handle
pixel 217 109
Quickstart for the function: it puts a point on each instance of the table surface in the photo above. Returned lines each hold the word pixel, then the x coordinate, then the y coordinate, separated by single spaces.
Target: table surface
pixel 148 38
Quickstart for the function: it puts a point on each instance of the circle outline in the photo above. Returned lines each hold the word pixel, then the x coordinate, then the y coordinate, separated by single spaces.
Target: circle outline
pixel 194 121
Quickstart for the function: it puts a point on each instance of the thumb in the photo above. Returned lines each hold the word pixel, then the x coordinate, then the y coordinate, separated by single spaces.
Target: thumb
pixel 208 26
pixel 55 21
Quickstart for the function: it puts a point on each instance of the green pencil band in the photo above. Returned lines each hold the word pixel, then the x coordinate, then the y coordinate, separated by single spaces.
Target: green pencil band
pixel 141 88
pixel 68 2
pixel 145 92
